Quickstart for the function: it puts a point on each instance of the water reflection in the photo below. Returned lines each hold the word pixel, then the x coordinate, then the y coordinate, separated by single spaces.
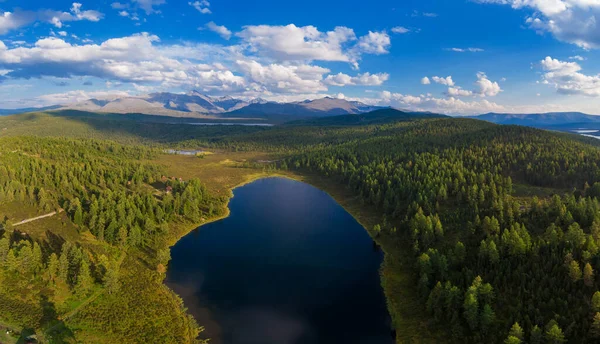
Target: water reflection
pixel 288 266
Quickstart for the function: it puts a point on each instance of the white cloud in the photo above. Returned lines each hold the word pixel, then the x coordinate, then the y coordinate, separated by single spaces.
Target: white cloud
pixel 221 30
pixel 298 43
pixel 447 81
pixel 375 43
pixel 464 50
pixel 577 57
pixel 449 105
pixel 365 79
pixel 572 21
pixel 14 20
pixel 307 43
pixel 484 86
pixel 566 77
pixel 202 6
pixel 487 88
pixel 278 78
pixel 62 33
pixel 400 30
pixel 124 14
pixel 458 92
pixel 127 59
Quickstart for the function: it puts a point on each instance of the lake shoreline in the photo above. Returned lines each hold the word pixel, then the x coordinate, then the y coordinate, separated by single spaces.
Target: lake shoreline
pixel 338 243
pixel 407 314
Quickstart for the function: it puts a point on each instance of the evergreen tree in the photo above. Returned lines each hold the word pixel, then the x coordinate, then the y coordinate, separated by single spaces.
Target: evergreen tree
pixel 588 275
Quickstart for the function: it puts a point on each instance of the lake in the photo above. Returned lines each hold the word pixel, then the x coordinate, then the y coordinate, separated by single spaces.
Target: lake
pixel 288 266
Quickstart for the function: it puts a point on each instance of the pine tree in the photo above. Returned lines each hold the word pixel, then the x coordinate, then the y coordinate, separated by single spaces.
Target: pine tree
pixel 595 329
pixel 588 275
pixel 122 236
pixel 53 267
pixel 555 335
pixel 512 340
pixel 487 317
pixel 516 331
pixel 596 302
pixel 111 278
pixel 536 335
pixel 574 271
pixel 471 307
pixel 84 279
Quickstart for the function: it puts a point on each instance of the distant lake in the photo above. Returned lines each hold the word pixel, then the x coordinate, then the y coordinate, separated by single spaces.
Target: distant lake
pixel 288 266
pixel 587 132
pixel 229 124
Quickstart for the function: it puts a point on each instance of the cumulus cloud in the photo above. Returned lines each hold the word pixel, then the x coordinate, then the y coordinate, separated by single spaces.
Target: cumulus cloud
pixel 572 21
pixel 219 29
pixel 486 87
pixel 279 78
pixel 14 20
pixel 307 43
pixel 365 79
pixel 577 57
pixel 128 59
pixel 447 81
pixel 450 105
pixel 458 92
pixel 375 43
pixel 202 6
pixel 566 78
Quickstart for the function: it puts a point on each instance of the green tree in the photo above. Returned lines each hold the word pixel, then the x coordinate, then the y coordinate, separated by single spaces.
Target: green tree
pixel 516 331
pixel 555 335
pixel 53 267
pixel 84 279
pixel 512 340
pixel 536 335
pixel 595 329
pixel 588 275
pixel 487 317
pixel 596 301
pixel 111 278
pixel 574 271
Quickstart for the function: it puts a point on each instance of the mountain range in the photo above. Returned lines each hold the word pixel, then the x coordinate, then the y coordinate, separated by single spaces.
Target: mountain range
pixel 195 104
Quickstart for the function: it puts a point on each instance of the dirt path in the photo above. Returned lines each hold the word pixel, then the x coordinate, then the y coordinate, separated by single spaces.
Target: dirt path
pixel 38 218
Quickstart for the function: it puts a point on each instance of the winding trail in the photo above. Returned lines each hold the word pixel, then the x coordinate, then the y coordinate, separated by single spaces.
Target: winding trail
pixel 38 218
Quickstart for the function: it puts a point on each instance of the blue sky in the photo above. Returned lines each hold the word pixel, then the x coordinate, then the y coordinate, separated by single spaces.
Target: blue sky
pixel 455 56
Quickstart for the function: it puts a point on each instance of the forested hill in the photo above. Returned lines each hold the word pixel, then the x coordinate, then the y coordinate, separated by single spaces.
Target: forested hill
pixel 539 120
pixel 92 272
pixel 380 116
pixel 493 265
pixel 496 227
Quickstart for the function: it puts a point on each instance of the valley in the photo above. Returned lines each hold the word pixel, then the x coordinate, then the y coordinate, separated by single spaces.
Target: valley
pixel 418 216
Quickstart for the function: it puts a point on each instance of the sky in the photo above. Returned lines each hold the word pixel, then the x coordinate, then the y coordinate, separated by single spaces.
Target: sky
pixel 454 56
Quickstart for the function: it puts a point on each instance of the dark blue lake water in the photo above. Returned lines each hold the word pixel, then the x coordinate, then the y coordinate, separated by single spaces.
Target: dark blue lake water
pixel 288 266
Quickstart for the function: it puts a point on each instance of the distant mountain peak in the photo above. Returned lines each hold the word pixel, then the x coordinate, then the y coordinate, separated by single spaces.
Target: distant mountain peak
pixel 196 104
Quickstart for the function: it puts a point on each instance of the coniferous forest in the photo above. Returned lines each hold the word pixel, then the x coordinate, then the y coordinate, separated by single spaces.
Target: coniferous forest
pixel 501 223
